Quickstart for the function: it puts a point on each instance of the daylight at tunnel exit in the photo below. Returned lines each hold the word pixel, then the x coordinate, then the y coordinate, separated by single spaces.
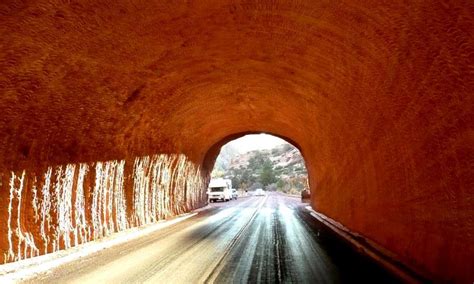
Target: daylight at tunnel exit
pixel 266 141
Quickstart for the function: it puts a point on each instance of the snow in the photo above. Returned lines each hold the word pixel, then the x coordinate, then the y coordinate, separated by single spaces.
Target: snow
pixel 28 268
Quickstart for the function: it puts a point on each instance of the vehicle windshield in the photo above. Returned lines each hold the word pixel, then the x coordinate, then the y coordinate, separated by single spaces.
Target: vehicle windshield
pixel 217 189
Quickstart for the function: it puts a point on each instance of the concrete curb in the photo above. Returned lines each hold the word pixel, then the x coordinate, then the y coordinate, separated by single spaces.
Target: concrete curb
pixel 386 258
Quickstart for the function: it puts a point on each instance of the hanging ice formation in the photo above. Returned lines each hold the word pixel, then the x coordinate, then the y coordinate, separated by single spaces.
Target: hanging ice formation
pixel 76 203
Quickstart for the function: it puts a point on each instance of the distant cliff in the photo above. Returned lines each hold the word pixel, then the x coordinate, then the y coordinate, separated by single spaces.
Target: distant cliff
pixel 281 168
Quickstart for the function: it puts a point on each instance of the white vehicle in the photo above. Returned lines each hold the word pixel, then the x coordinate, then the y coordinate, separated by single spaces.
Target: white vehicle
pixel 259 192
pixel 220 189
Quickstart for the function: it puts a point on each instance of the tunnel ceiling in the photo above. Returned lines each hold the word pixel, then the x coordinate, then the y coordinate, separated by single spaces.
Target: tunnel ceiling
pixel 378 96
pixel 88 81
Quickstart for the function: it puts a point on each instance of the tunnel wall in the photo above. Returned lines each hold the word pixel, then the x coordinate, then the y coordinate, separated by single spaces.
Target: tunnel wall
pixel 378 95
pixel 72 204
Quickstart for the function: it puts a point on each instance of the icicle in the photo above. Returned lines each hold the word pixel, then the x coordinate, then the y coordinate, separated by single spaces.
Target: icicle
pixel 96 201
pixel 24 240
pixel 35 200
pixel 81 230
pixel 110 197
pixel 18 224
pixel 45 209
pixel 10 254
pixel 119 198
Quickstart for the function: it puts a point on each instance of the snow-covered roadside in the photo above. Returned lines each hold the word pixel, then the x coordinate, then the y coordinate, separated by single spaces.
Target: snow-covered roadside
pixel 29 268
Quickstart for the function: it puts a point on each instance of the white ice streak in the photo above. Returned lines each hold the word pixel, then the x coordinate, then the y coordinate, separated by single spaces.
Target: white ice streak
pixel 25 243
pixel 81 230
pixel 72 205
pixel 162 184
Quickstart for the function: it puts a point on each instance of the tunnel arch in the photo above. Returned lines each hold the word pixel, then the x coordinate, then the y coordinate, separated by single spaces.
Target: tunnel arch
pixel 213 152
pixel 381 94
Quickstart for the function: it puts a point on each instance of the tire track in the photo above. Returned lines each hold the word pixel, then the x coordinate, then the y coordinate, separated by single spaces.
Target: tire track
pixel 212 273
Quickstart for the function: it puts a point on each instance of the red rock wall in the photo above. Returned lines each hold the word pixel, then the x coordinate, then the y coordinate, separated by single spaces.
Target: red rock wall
pixel 378 96
pixel 65 206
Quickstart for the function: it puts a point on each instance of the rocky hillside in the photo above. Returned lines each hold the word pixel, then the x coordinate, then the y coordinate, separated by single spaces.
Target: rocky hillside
pixel 286 160
pixel 281 168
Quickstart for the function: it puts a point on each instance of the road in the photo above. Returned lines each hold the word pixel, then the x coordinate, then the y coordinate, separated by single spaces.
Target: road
pixel 253 239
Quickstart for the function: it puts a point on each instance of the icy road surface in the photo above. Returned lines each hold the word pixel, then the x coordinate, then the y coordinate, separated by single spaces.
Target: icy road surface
pixel 254 239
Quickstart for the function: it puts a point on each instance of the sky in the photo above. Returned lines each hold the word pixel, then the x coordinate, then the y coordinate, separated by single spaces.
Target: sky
pixel 256 142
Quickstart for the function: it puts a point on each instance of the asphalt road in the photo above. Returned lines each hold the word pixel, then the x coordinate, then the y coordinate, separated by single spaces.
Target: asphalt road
pixel 256 239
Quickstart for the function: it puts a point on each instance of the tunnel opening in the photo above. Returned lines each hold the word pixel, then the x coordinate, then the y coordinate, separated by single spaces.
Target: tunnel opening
pixel 251 164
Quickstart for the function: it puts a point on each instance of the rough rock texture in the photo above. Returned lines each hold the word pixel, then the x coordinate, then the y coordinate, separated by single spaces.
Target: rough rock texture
pixel 68 205
pixel 377 95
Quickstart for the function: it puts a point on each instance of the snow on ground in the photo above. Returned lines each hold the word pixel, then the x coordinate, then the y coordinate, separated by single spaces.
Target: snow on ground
pixel 29 268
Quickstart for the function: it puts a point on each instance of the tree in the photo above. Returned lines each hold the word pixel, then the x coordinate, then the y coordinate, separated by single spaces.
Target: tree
pixel 281 184
pixel 267 175
pixel 256 161
pixel 242 178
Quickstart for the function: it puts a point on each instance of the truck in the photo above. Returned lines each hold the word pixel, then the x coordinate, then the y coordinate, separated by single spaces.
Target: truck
pixel 220 189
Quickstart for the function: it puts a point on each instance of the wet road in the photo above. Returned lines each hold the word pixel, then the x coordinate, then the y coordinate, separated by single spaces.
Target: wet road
pixel 254 239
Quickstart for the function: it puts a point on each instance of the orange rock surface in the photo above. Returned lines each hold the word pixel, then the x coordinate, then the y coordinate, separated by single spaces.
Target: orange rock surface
pixel 378 97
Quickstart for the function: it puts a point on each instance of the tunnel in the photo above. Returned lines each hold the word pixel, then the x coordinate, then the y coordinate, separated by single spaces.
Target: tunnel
pixel 113 112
